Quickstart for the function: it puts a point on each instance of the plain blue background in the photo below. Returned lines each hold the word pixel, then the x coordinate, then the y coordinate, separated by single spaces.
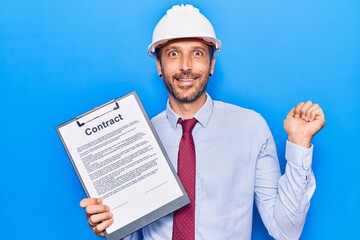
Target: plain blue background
pixel 59 59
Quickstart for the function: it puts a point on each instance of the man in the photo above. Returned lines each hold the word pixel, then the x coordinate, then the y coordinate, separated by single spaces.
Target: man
pixel 236 157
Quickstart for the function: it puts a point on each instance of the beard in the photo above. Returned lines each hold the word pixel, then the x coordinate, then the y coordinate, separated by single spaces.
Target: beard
pixel 186 94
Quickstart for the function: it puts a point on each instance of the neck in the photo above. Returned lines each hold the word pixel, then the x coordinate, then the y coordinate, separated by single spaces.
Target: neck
pixel 187 110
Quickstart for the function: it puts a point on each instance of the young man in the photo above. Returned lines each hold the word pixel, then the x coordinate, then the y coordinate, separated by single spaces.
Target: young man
pixel 236 161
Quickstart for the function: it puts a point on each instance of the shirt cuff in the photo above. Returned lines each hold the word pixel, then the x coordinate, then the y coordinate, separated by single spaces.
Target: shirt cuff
pixel 298 155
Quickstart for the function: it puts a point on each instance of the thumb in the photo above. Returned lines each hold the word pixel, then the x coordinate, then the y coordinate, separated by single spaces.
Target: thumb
pixel 291 113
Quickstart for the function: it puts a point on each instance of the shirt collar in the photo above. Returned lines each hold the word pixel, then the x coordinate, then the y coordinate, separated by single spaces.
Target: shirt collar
pixel 203 115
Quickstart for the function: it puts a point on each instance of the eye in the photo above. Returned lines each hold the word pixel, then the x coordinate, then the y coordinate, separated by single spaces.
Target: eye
pixel 173 53
pixel 198 53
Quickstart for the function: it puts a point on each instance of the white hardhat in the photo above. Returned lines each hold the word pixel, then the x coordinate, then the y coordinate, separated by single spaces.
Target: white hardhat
pixel 183 22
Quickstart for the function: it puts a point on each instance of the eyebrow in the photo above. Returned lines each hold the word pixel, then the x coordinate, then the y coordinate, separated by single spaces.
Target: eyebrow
pixel 175 47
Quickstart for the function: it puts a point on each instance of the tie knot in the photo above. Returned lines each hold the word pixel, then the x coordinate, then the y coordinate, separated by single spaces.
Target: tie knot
pixel 188 124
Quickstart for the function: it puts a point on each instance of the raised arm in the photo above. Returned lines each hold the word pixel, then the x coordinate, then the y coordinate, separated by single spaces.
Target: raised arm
pixel 283 201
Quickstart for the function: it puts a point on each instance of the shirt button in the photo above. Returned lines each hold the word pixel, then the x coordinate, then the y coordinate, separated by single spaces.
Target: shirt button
pixel 307 162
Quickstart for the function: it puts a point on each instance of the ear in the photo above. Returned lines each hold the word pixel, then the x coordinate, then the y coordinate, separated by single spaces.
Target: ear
pixel 158 66
pixel 212 65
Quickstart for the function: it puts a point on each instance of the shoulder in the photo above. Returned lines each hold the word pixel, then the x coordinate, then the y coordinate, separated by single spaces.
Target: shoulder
pixel 247 122
pixel 235 115
pixel 235 110
pixel 159 118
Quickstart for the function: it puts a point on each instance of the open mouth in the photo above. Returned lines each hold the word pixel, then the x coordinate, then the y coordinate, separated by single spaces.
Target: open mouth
pixel 186 78
pixel 185 82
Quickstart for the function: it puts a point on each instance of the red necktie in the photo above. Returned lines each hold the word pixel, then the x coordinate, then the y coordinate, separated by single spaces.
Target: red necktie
pixel 184 218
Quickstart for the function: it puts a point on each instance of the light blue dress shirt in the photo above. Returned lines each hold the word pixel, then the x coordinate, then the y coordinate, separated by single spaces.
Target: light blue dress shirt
pixel 236 162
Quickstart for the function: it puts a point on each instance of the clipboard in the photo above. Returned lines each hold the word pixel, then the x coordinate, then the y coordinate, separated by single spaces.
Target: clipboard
pixel 118 156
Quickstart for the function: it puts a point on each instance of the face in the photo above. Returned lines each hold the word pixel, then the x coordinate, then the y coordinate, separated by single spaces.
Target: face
pixel 185 66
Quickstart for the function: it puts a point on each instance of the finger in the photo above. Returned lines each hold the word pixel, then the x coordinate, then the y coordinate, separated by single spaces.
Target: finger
pixel 297 109
pixel 320 116
pixel 90 201
pixel 304 109
pixel 98 218
pixel 291 113
pixel 95 209
pixel 100 228
pixel 312 112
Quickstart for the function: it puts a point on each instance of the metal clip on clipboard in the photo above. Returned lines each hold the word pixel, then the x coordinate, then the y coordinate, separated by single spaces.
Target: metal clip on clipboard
pixel 102 113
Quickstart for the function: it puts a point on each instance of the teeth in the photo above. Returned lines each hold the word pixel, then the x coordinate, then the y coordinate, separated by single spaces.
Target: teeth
pixel 186 79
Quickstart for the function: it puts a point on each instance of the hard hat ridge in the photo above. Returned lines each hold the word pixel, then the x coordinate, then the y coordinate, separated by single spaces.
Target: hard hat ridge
pixel 183 21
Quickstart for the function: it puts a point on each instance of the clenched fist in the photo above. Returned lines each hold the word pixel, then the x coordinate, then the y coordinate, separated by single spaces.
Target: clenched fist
pixel 303 122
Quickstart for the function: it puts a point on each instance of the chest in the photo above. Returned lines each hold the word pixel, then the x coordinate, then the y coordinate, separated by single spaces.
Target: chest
pixel 224 156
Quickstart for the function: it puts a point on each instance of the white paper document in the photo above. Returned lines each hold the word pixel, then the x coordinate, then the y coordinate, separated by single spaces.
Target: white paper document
pixel 118 157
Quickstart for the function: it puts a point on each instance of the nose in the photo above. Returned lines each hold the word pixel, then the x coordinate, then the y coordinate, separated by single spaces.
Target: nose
pixel 185 63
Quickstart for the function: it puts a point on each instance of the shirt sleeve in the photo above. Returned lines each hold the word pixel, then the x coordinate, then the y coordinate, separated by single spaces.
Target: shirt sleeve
pixel 296 187
pixel 283 201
